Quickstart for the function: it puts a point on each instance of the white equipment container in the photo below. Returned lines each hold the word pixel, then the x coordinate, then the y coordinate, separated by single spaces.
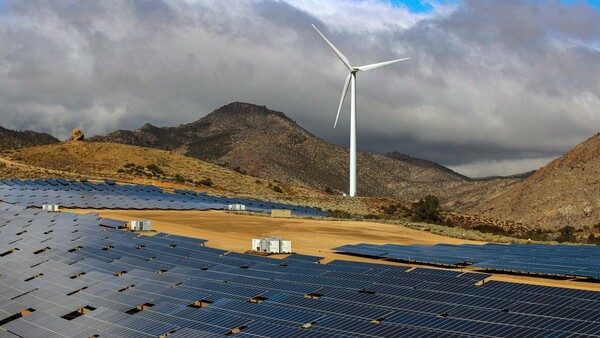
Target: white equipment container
pixel 50 207
pixel 141 225
pixel 256 245
pixel 236 207
pixel 272 245
pixel 286 247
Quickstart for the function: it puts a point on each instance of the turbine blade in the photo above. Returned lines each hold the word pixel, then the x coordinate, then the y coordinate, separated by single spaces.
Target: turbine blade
pixel 335 50
pixel 381 64
pixel 344 91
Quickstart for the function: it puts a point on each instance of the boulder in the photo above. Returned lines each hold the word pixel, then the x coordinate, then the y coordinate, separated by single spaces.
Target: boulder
pixel 76 135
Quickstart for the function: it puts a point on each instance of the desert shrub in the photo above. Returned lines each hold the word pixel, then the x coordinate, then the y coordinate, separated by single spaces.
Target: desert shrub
pixel 490 229
pixel 178 178
pixel 240 170
pixel 427 209
pixel 120 170
pixel 277 188
pixel 448 222
pixel 328 190
pixel 537 235
pixel 390 209
pixel 155 169
pixel 258 181
pixel 339 214
pixel 593 240
pixel 597 226
pixel 398 209
pixel 566 234
pixel 206 182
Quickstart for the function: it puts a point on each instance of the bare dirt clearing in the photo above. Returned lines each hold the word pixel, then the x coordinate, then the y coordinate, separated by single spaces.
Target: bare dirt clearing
pixel 233 232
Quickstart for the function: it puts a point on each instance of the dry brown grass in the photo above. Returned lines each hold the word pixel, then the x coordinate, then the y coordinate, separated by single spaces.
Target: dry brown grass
pixel 108 160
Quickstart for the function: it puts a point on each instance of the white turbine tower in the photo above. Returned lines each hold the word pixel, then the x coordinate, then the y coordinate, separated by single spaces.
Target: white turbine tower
pixel 351 80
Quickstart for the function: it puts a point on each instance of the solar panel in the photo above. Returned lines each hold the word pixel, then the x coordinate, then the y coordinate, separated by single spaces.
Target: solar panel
pixel 130 292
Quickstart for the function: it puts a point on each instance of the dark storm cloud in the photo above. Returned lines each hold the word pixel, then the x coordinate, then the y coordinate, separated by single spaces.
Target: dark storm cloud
pixel 491 87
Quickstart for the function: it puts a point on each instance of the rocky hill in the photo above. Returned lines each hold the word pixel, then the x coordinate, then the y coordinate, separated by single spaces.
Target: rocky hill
pixel 564 192
pixel 264 143
pixel 12 139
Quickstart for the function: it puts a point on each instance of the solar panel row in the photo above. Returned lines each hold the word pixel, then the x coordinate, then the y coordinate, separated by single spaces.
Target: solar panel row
pixel 554 260
pixel 85 194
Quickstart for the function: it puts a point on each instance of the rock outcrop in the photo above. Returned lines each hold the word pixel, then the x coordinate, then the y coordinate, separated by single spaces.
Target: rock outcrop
pixel 76 135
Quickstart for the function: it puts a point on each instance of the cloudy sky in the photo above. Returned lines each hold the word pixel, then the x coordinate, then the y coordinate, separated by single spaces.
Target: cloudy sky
pixel 492 87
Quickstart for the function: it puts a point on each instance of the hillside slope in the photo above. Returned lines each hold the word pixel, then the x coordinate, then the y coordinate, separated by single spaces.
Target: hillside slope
pixel 425 164
pixel 264 143
pixel 564 192
pixel 141 165
pixel 12 139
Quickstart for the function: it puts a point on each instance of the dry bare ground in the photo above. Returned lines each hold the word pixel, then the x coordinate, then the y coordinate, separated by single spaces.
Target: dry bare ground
pixel 233 232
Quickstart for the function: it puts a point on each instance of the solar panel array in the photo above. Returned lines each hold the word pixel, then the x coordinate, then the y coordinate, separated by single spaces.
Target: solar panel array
pixel 65 275
pixel 553 260
pixel 109 195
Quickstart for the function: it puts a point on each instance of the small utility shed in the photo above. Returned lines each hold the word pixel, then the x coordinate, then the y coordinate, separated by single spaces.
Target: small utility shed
pixel 141 225
pixel 50 207
pixel 272 245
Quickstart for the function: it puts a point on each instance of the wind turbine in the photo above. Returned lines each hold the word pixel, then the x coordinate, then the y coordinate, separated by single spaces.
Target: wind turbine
pixel 351 81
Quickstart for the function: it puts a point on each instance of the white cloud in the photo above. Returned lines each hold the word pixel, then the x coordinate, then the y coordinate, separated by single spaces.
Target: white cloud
pixel 371 16
pixel 488 81
pixel 500 167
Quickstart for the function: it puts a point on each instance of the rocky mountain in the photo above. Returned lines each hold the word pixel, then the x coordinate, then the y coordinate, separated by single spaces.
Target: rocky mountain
pixel 264 143
pixel 12 139
pixel 564 192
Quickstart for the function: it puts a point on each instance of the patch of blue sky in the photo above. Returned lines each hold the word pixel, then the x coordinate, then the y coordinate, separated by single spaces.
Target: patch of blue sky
pixel 593 3
pixel 421 6
pixel 425 6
